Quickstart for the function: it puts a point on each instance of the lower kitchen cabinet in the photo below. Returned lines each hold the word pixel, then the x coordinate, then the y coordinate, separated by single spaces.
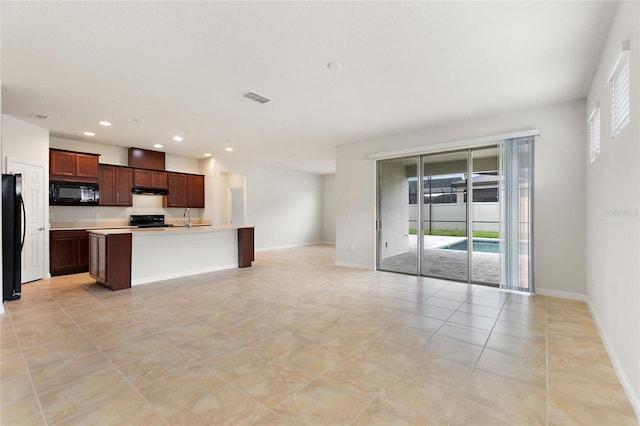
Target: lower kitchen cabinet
pixel 110 260
pixel 68 252
pixel 245 247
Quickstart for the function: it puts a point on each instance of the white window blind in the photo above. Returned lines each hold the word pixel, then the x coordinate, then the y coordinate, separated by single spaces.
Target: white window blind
pixel 620 92
pixel 594 134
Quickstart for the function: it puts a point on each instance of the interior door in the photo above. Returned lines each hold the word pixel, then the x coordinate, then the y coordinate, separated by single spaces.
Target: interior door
pixel 33 194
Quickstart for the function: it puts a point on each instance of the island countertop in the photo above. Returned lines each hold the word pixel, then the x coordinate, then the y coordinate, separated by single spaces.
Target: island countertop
pixel 166 230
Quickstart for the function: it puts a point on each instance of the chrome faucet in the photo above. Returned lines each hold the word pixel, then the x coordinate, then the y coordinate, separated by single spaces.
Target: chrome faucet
pixel 187 213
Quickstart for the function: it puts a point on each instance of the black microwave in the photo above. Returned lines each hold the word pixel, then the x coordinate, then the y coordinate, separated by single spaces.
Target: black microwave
pixel 73 194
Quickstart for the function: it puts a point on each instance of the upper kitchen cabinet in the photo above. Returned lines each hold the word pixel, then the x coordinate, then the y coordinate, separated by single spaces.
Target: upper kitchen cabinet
pixel 73 166
pixel 115 186
pixel 178 195
pixel 195 191
pixel 149 179
pixel 185 190
pixel 146 159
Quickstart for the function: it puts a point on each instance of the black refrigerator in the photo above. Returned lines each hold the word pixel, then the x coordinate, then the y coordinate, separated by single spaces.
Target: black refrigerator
pixel 13 216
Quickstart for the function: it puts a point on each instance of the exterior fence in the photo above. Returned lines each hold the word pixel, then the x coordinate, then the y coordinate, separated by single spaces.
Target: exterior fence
pixel 453 216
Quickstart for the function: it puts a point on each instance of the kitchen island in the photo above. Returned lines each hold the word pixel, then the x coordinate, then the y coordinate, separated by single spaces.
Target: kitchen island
pixel 121 258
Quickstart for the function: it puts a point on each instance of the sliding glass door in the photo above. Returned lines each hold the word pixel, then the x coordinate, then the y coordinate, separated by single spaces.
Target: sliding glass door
pixel 485 217
pixel 398 215
pixel 462 216
pixel 444 217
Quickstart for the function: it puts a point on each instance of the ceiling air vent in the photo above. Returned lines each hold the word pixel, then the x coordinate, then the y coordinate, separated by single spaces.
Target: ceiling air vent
pixel 40 116
pixel 256 97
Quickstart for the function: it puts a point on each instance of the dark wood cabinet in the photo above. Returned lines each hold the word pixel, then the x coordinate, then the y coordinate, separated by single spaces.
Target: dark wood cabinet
pixel 110 260
pixel 246 252
pixel 68 252
pixel 73 166
pixel 115 186
pixel 149 179
pixel 185 190
pixel 195 190
pixel 146 159
pixel 178 190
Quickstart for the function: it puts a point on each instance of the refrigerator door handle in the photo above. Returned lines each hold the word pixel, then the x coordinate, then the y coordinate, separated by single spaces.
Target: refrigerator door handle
pixel 24 223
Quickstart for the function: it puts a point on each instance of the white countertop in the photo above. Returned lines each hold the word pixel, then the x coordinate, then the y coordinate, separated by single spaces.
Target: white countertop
pixel 168 230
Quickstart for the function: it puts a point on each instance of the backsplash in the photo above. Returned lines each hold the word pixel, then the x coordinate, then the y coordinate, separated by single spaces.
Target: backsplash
pixel 116 216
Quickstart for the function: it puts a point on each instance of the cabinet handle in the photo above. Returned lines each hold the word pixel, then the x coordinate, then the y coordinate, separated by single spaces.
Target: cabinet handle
pixel 41 228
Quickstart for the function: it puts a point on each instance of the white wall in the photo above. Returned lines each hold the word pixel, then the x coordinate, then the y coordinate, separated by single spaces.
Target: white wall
pixel 559 189
pixel 613 211
pixel 28 143
pixel 285 206
pixel 329 209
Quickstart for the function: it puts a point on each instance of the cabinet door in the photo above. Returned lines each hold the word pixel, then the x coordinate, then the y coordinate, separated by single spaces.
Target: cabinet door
pixel 62 163
pixel 86 166
pixel 124 183
pixel 107 186
pixel 158 180
pixel 102 258
pixel 196 191
pixel 178 195
pixel 93 255
pixel 83 254
pixel 63 252
pixel 142 178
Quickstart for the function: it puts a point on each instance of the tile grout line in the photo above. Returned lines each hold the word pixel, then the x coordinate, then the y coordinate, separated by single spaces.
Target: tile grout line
pixel 546 335
pixel 24 359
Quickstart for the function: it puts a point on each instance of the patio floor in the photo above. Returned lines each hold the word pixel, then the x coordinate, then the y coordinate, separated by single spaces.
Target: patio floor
pixel 445 263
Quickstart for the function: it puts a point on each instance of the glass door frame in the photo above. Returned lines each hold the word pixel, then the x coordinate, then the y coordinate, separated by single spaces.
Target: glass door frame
pixel 420 194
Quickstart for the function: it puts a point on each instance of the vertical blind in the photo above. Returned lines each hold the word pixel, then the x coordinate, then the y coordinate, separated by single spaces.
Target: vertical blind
pixel 516 214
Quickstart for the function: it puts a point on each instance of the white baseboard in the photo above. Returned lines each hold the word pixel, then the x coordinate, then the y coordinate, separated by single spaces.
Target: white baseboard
pixel 287 246
pixel 561 294
pixel 634 398
pixel 355 266
pixel 2 308
pixel 182 274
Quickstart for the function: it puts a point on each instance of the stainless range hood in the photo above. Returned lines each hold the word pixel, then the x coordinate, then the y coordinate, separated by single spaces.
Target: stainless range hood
pixel 140 190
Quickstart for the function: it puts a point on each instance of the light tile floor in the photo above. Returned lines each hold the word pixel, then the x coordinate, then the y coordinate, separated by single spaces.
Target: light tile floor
pixel 296 340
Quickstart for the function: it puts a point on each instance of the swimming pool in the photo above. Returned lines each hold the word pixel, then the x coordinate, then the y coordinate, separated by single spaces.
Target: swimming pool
pixel 483 246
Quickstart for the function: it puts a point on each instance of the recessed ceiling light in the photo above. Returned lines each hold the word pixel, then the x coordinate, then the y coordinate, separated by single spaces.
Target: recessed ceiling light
pixel 157 145
pixel 104 123
pixel 89 134
pixel 207 154
pixel 178 138
pixel 228 149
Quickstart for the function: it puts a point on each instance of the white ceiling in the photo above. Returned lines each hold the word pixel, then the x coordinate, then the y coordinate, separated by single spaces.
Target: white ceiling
pixel 183 66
